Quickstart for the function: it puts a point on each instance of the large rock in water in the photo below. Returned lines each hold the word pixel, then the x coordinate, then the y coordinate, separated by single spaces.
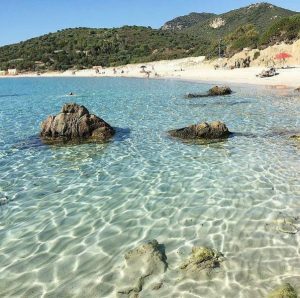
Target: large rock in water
pixel 204 130
pixel 75 123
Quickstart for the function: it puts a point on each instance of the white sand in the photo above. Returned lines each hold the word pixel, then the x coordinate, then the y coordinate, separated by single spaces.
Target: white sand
pixel 197 69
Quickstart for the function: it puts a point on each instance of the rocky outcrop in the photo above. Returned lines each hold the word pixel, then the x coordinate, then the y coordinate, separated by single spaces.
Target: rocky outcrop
pixel 217 23
pixel 202 258
pixel 141 263
pixel 204 130
pixel 284 291
pixel 297 89
pixel 75 123
pixel 215 91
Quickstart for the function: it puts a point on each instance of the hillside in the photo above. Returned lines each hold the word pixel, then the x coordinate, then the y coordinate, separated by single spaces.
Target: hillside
pixel 239 28
pixel 261 15
pixel 187 21
pixel 284 30
pixel 193 35
pixel 86 47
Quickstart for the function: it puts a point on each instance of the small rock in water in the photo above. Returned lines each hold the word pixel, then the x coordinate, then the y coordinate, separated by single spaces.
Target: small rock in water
pixel 297 89
pixel 202 258
pixel 3 200
pixel 284 291
pixel 215 91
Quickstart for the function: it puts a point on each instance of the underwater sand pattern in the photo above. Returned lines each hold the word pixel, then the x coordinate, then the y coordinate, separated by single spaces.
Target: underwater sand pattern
pixel 74 212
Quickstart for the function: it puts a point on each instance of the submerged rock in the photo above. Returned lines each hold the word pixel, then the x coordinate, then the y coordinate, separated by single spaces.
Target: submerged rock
pixel 284 223
pixel 196 95
pixel 204 130
pixel 296 137
pixel 284 291
pixel 157 286
pixel 202 258
pixel 141 263
pixel 75 123
pixel 215 91
pixel 3 200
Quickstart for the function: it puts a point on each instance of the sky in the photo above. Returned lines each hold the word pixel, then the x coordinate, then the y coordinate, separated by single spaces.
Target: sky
pixel 23 19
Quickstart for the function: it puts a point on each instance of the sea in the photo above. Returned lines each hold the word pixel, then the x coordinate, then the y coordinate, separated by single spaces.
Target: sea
pixel 70 213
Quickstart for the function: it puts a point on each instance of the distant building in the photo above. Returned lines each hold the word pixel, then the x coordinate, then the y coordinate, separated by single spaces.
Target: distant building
pixel 3 72
pixel 12 71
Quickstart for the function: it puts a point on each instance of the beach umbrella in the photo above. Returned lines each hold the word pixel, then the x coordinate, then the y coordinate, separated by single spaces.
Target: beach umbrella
pixel 143 68
pixel 283 56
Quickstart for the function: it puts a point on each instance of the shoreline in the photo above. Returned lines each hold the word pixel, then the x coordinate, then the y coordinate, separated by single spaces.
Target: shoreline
pixel 182 69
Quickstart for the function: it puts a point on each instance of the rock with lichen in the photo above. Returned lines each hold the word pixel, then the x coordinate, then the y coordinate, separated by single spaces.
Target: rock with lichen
pixel 142 264
pixel 204 130
pixel 284 291
pixel 202 259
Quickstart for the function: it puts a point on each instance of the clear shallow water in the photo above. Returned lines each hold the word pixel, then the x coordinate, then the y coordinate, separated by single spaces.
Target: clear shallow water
pixel 74 211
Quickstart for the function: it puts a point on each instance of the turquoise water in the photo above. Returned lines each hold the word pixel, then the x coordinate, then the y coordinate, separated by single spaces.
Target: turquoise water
pixel 73 212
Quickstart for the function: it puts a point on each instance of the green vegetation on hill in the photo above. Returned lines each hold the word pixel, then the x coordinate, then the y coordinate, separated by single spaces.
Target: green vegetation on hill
pixel 246 35
pixel 83 48
pixel 199 34
pixel 286 29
